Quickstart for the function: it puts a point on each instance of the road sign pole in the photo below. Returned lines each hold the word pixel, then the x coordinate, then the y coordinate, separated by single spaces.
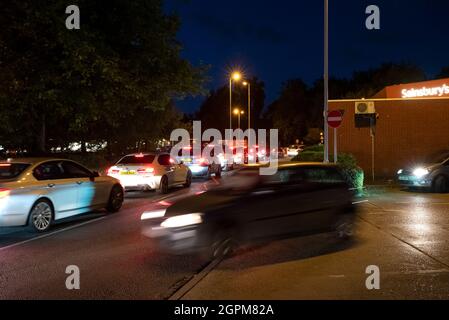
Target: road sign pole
pixel 335 146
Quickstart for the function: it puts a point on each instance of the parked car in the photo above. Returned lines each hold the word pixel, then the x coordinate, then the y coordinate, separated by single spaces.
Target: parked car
pixel 38 192
pixel 150 171
pixel 294 150
pixel 432 174
pixel 301 199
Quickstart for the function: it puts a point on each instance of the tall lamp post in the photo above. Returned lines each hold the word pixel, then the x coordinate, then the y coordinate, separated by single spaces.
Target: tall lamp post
pixel 238 113
pixel 248 84
pixel 235 76
pixel 326 80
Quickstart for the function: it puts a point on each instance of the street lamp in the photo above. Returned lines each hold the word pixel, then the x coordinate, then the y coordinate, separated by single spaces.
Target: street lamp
pixel 235 76
pixel 248 84
pixel 238 113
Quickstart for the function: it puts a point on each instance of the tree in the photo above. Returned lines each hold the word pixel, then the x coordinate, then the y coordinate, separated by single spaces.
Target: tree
pixel 108 81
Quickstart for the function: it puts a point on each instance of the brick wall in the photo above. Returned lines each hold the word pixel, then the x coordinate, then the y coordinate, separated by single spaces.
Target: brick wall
pixel 407 131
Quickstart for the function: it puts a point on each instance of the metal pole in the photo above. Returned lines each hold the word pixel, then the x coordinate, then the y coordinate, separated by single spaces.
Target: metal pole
pixel 239 120
pixel 372 152
pixel 326 80
pixel 249 105
pixel 230 103
pixel 335 146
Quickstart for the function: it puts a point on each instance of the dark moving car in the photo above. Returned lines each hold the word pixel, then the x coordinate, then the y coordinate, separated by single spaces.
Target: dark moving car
pixel 301 199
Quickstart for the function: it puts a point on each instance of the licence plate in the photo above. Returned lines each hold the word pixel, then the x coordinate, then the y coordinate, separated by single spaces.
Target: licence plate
pixel 404 178
pixel 127 173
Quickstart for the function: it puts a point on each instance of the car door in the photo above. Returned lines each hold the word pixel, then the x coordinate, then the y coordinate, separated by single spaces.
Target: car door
pixel 169 167
pixel 91 192
pixel 62 191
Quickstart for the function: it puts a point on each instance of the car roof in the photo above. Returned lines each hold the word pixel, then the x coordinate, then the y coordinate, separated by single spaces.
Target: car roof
pixel 33 160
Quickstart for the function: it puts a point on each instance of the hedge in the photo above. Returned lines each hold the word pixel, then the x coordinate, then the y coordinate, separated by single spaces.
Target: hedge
pixel 353 173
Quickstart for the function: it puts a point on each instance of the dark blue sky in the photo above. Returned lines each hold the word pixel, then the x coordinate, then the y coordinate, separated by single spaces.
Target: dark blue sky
pixel 279 40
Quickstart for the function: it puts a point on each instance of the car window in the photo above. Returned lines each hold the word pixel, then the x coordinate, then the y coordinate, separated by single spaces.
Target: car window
pixel 49 171
pixel 74 170
pixel 12 170
pixel 164 160
pixel 137 159
pixel 322 175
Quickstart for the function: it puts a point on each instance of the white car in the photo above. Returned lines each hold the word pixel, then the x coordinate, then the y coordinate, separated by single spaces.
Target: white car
pixel 150 171
pixel 37 192
pixel 294 150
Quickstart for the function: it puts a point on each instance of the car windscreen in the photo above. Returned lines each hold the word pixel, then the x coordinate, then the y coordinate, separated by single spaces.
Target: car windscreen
pixel 437 157
pixel 144 159
pixel 11 170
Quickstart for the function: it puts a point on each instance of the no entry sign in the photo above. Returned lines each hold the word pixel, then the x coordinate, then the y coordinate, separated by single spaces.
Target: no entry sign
pixel 334 119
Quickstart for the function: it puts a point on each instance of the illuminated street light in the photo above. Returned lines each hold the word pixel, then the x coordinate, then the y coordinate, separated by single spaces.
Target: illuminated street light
pixel 236 76
pixel 239 113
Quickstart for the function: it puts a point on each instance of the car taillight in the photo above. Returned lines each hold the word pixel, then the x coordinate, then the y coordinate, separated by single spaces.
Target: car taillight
pixel 113 170
pixel 203 162
pixel 145 171
pixel 4 193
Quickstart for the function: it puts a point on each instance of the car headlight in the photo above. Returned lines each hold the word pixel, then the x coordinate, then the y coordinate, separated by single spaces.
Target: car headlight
pixel 420 172
pixel 183 221
pixel 152 215
pixel 400 171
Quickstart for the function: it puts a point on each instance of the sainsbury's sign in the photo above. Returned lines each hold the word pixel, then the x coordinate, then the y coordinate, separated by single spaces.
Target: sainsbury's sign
pixel 426 92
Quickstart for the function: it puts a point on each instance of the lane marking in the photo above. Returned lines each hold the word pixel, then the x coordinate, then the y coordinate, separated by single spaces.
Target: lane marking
pixel 50 234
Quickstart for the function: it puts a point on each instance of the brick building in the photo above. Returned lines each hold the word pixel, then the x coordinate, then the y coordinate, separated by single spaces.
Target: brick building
pixel 412 123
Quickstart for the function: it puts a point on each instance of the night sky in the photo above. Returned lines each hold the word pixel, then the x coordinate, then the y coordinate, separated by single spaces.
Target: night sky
pixel 280 40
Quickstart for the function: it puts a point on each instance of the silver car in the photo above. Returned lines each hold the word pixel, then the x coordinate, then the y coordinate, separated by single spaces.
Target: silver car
pixel 432 173
pixel 37 192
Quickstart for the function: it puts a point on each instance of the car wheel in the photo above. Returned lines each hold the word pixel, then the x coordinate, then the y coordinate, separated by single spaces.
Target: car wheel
pixel 188 180
pixel 164 185
pixel 440 184
pixel 218 173
pixel 41 216
pixel 223 244
pixel 115 199
pixel 344 228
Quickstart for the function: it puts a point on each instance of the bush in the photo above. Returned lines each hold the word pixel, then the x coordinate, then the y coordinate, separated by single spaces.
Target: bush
pixel 353 174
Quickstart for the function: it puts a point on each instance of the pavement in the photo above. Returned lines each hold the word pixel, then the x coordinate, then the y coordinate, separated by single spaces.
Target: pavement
pixel 403 233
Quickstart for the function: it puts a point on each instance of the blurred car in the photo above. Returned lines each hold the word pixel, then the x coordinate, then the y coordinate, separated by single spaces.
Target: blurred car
pixel 37 192
pixel 202 167
pixel 432 174
pixel 150 171
pixel 294 150
pixel 301 199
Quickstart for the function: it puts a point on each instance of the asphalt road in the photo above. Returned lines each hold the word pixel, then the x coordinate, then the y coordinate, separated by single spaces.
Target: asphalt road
pixel 404 234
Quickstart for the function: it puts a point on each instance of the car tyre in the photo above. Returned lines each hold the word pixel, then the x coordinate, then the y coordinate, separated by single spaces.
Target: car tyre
pixel 440 184
pixel 218 173
pixel 41 216
pixel 188 180
pixel 344 228
pixel 164 185
pixel 116 199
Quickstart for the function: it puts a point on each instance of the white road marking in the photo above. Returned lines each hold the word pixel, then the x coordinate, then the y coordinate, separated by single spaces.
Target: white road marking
pixel 50 234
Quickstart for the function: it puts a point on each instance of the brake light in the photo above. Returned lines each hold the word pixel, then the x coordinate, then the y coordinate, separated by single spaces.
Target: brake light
pixel 145 171
pixel 5 164
pixel 4 193
pixel 172 161
pixel 113 170
pixel 139 155
pixel 203 162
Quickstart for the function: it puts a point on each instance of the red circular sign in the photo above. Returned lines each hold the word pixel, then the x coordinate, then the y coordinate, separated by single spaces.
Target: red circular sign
pixel 334 119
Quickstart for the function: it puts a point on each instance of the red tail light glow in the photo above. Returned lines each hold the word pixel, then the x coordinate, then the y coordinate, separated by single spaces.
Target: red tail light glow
pixel 145 171
pixel 113 170
pixel 4 193
pixel 139 155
